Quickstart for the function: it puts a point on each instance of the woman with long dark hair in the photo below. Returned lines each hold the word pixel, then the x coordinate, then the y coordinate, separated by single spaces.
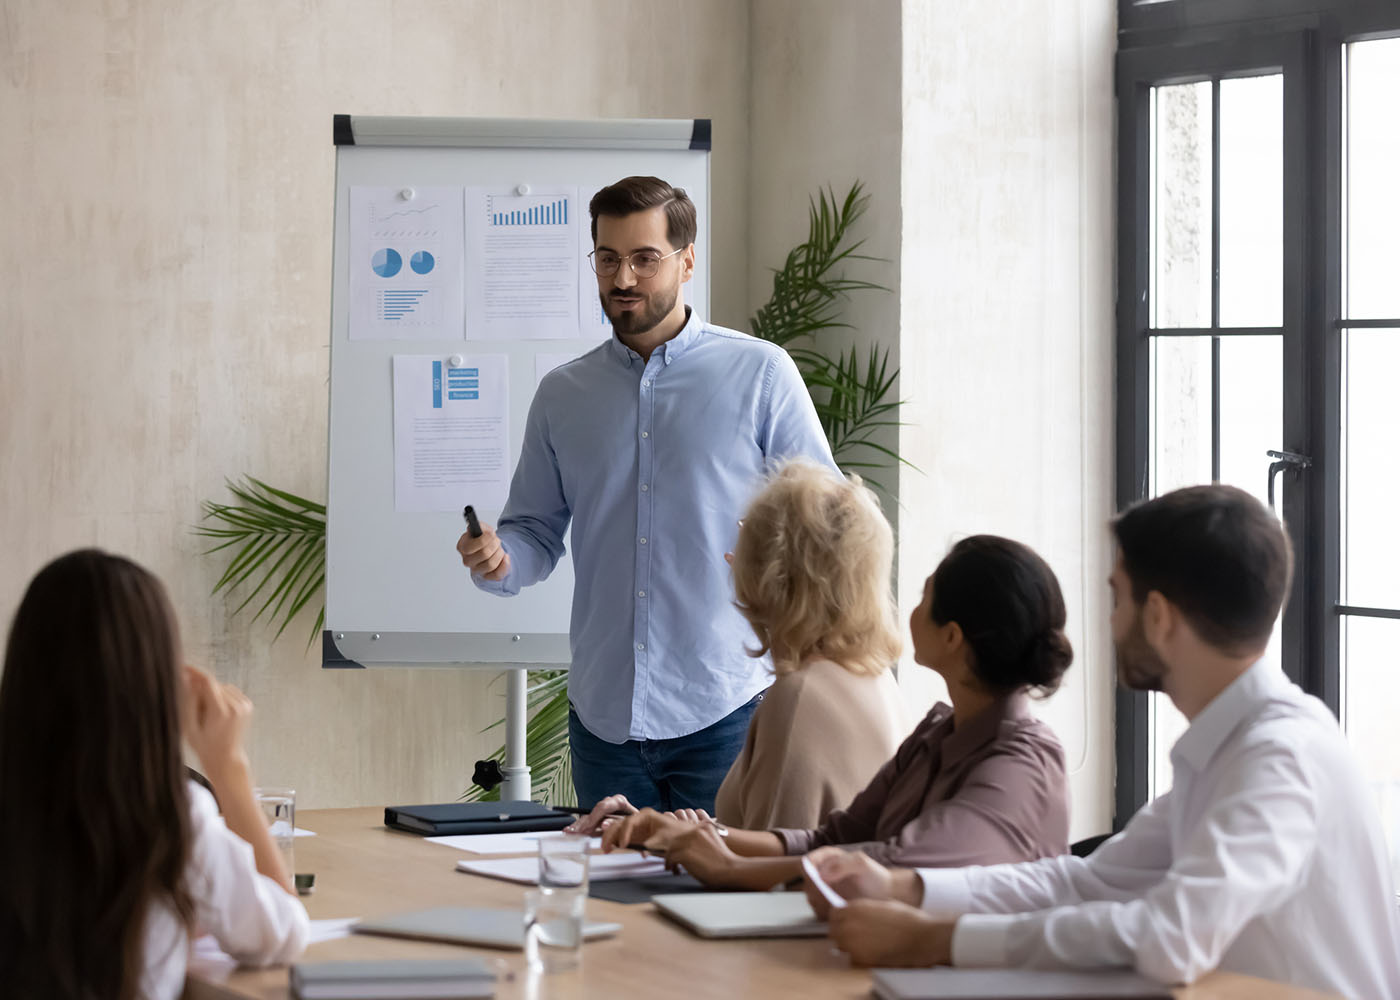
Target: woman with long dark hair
pixel 110 858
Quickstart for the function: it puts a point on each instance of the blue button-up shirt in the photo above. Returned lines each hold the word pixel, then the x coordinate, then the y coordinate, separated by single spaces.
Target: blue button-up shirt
pixel 654 461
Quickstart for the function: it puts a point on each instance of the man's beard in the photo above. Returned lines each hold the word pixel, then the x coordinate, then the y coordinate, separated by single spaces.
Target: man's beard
pixel 653 310
pixel 1139 666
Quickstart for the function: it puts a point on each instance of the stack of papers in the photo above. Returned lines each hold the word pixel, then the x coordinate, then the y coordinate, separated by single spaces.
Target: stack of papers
pixel 500 843
pixel 458 977
pixel 601 867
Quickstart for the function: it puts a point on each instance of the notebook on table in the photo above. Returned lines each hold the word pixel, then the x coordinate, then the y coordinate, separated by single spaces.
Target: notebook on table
pixel 742 914
pixel 1012 984
pixel 476 817
pixel 379 980
pixel 470 925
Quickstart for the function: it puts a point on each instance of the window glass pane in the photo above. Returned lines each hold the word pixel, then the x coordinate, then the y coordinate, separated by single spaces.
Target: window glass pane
pixel 1371 468
pixel 1251 410
pixel 1372 149
pixel 1370 692
pixel 1180 205
pixel 1251 423
pixel 1179 414
pixel 1251 201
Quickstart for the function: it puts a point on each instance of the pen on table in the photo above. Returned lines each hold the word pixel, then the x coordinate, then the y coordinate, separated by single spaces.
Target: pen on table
pixel 473 525
pixel 576 811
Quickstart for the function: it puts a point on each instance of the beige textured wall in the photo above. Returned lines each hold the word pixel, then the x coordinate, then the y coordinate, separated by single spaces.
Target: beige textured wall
pixel 826 111
pixel 166 182
pixel 1007 296
pixel 984 134
pixel 166 193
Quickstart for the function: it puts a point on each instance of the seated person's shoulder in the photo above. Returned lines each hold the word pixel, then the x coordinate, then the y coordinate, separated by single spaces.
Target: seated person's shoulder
pixel 1031 739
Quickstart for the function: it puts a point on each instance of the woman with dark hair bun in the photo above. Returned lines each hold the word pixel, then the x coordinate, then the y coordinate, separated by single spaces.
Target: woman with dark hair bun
pixel 980 781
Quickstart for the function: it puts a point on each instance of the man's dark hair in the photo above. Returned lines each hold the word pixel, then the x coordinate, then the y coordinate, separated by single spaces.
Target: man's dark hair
pixel 1216 553
pixel 637 194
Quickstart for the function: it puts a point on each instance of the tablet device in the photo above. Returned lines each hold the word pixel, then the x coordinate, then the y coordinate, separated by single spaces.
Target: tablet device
pixel 472 925
pixel 742 914
pixel 1013 984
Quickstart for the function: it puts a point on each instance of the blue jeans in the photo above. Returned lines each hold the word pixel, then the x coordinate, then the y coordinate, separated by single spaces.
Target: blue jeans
pixel 680 773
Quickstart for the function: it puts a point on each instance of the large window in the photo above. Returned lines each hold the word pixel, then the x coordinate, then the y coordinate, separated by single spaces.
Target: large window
pixel 1259 326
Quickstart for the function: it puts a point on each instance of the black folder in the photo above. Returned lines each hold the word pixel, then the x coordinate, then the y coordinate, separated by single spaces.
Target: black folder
pixel 451 818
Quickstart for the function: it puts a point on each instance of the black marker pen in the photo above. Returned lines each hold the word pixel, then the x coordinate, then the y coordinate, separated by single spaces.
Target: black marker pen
pixel 473 525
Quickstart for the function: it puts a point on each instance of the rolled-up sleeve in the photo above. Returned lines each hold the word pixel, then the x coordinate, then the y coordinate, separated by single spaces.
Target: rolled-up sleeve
pixel 253 918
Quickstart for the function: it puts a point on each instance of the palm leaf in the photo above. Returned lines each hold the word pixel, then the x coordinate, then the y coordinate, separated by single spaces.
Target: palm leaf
pixel 853 400
pixel 279 550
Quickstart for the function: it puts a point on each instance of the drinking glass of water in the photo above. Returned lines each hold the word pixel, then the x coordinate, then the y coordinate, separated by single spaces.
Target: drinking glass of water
pixel 554 928
pixel 564 862
pixel 279 807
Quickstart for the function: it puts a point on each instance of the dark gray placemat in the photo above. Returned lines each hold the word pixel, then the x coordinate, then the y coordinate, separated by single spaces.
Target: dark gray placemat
pixel 640 890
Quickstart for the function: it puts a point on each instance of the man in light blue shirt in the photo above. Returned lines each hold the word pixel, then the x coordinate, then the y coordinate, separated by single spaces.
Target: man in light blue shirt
pixel 652 444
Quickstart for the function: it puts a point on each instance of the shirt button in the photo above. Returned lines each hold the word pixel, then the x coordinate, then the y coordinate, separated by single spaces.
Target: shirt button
pixel 645 434
pixel 646 384
pixel 642 540
pixel 644 487
pixel 641 646
pixel 641 593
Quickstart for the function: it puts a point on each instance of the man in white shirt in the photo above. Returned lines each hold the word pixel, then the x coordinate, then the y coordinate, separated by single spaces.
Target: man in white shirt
pixel 1265 858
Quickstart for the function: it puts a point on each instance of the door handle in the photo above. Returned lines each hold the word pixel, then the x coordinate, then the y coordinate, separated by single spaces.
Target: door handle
pixel 1284 460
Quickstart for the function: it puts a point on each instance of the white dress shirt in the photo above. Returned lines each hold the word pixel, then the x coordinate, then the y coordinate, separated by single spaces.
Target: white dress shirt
pixel 253 918
pixel 1266 858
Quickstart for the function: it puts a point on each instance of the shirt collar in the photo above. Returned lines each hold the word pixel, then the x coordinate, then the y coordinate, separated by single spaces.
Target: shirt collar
pixel 983 727
pixel 1213 725
pixel 669 351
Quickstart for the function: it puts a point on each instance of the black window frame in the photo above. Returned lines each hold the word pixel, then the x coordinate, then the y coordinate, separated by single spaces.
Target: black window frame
pixel 1184 40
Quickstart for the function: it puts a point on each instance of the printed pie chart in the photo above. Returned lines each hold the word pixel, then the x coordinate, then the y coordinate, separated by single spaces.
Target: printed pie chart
pixel 421 262
pixel 387 262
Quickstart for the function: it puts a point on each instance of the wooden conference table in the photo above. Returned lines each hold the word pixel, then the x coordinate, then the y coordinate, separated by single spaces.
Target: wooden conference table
pixel 363 869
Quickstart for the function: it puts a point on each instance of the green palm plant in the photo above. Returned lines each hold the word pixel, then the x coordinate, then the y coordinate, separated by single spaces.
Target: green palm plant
pixel 280 549
pixel 851 394
pixel 280 537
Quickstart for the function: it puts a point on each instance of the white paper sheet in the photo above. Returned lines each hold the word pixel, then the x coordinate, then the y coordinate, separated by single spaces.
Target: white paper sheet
pixel 299 832
pixel 406 248
pixel 330 930
pixel 500 843
pixel 601 867
pixel 451 433
pixel 522 274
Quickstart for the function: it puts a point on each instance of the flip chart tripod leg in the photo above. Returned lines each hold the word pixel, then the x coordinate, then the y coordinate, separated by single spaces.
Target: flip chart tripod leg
pixel 516 787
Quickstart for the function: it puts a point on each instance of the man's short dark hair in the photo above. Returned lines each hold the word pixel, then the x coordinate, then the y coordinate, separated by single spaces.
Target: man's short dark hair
pixel 638 194
pixel 1216 553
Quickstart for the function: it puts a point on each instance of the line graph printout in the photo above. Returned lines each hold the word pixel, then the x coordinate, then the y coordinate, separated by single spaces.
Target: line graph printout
pixel 406 248
pixel 522 264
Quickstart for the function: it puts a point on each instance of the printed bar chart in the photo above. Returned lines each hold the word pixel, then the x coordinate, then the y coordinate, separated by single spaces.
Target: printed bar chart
pixel 554 213
pixel 397 303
